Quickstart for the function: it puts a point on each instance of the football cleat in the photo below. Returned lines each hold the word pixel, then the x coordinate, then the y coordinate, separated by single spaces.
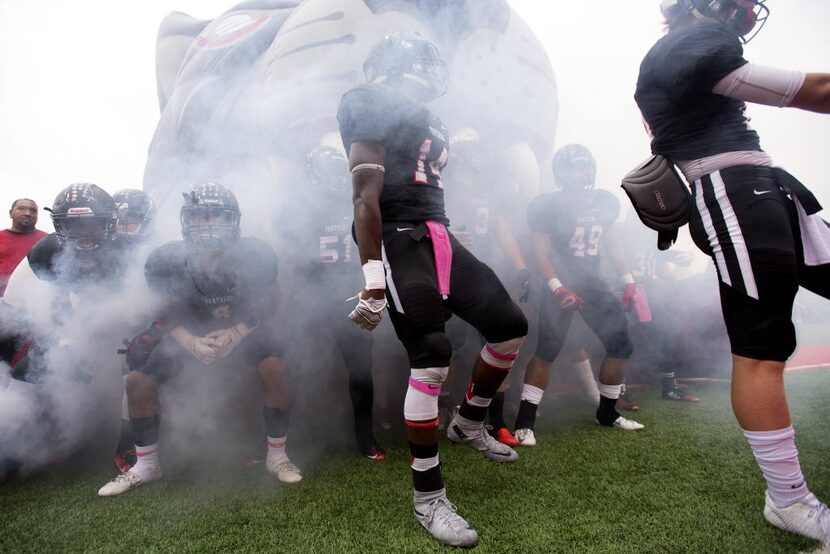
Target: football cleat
pixel 624 404
pixel 284 470
pixel 525 437
pixel 128 481
pixel 375 452
pixel 809 517
pixel 440 519
pixel 124 461
pixel 503 435
pixel 677 395
pixel 625 424
pixel 479 439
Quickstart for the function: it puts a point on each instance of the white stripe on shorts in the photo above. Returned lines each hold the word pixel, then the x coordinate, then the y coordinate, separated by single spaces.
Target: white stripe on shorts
pixel 390 284
pixel 706 217
pixel 735 234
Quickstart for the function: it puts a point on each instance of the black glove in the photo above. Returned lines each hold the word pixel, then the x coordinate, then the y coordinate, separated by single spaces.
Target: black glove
pixel 141 346
pixel 523 282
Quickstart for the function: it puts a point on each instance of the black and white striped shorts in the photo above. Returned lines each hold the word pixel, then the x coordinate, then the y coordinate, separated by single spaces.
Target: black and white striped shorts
pixel 748 226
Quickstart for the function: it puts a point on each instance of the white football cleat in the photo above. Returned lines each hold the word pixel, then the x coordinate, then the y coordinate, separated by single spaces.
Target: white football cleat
pixel 525 437
pixel 284 470
pixel 440 519
pixel 127 481
pixel 625 424
pixel 479 439
pixel 809 517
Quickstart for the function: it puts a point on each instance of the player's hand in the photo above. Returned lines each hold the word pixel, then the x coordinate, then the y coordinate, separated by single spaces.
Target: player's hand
pixel 628 295
pixel 523 282
pixel 204 349
pixel 369 310
pixel 141 346
pixel 228 339
pixel 568 299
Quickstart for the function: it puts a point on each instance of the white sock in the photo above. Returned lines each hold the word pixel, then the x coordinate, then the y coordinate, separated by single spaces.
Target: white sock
pixel 586 379
pixel 610 391
pixel 532 394
pixel 777 456
pixel 147 460
pixel 276 449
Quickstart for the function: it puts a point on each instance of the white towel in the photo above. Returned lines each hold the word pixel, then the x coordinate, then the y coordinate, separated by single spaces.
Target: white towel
pixel 815 236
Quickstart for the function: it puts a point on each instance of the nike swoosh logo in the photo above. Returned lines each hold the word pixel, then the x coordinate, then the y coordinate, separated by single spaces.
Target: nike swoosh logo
pixel 405 228
pixel 760 192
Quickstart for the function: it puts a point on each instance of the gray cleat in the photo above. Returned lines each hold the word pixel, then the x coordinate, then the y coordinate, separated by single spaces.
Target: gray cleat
pixel 479 439
pixel 440 519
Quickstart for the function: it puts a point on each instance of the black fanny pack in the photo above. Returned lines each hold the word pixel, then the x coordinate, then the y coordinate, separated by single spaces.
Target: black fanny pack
pixel 660 197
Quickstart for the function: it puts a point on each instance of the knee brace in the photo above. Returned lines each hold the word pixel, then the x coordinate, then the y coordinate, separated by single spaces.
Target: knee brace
pixel 421 402
pixel 501 355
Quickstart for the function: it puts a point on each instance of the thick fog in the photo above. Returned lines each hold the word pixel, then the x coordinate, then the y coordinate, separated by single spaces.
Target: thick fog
pixel 79 101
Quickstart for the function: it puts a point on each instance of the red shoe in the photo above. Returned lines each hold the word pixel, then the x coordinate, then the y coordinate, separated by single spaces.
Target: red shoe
pixel 121 463
pixel 504 436
pixel 624 404
pixel 375 453
pixel 678 396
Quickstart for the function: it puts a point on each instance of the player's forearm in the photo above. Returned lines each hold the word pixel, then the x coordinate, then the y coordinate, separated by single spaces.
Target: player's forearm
pixel 367 222
pixel 814 94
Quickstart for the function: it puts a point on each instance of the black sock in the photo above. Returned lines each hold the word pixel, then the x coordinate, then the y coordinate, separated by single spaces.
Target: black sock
pixel 668 382
pixel 431 479
pixel 145 430
pixel 607 412
pixel 496 411
pixel 527 415
pixel 126 441
pixel 276 421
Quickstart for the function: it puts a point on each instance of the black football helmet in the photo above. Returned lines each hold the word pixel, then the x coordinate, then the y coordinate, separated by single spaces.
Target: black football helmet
pixel 327 170
pixel 574 168
pixel 406 59
pixel 742 16
pixel 210 217
pixel 84 216
pixel 136 212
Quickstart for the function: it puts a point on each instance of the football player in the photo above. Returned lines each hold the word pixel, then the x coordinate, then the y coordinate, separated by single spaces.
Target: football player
pixel 221 296
pixel 570 234
pixel 484 204
pixel 318 231
pixel 135 226
pixel 397 148
pixel 757 222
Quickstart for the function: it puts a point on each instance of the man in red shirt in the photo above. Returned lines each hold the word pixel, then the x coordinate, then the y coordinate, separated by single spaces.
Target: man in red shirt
pixel 16 241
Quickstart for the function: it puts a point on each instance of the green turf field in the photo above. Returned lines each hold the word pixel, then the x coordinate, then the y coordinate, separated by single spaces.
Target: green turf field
pixel 686 484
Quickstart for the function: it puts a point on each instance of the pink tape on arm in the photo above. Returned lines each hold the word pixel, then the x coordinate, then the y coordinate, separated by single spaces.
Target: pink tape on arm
pixel 640 305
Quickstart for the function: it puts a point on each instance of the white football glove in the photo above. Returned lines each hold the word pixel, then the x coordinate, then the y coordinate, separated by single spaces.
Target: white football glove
pixel 204 349
pixel 368 313
pixel 228 339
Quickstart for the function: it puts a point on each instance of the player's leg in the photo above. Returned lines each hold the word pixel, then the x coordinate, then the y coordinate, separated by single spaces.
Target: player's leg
pixel 273 377
pixel 418 314
pixel 143 405
pixel 755 250
pixel 553 328
pixel 479 298
pixel 602 313
pixel 355 346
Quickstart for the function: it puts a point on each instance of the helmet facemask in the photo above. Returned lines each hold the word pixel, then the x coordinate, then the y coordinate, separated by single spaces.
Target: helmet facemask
pixel 83 231
pixel 210 227
pixel 409 63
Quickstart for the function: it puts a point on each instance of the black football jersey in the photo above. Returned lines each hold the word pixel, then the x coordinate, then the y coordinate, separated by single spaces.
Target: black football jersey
pixel 416 149
pixel 241 288
pixel 54 260
pixel 322 247
pixel 576 224
pixel 686 120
